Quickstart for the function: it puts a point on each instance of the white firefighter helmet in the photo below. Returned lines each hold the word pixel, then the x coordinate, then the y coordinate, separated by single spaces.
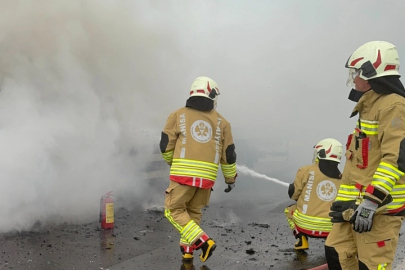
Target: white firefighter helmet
pixel 372 60
pixel 328 149
pixel 205 87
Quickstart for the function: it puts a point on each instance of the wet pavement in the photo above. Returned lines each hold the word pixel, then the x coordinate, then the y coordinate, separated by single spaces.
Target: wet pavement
pixel 251 233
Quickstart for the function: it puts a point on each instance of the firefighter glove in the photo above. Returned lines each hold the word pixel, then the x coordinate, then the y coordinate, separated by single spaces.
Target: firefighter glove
pixel 341 211
pixel 229 188
pixel 340 206
pixel 362 219
pixel 338 217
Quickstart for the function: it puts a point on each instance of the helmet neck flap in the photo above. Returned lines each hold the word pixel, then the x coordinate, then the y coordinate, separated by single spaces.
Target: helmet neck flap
pixel 200 103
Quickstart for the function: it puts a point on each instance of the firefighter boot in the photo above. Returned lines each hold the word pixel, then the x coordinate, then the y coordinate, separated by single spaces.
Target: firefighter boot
pixel 207 246
pixel 187 252
pixel 302 242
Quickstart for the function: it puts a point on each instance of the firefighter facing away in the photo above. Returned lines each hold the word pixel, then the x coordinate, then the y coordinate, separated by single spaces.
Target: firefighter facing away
pixel 195 141
pixel 370 205
pixel 315 188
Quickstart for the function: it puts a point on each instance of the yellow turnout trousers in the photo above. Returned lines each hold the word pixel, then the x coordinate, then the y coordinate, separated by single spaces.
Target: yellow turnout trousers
pixel 375 249
pixel 183 206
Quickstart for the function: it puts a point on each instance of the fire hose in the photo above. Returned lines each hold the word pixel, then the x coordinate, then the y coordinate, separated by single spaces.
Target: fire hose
pixel 321 267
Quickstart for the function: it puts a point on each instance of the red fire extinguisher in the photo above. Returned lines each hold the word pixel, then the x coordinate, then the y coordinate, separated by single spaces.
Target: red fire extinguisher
pixel 107 211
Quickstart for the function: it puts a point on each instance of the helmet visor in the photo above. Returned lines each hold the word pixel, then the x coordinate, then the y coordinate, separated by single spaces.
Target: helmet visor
pixel 315 155
pixel 353 73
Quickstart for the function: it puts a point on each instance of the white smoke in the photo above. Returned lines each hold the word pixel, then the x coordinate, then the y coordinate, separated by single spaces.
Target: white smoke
pixel 76 115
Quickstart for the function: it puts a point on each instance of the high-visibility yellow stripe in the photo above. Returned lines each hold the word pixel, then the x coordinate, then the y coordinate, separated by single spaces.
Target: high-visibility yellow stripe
pixel 229 170
pixel 398 190
pixel 312 223
pixel 192 237
pixel 194 173
pixel 191 232
pixel 382 266
pixel 382 185
pixel 397 193
pixel 188 227
pixel 195 163
pixel 183 241
pixel 171 220
pixel 396 203
pixel 386 176
pixel 194 168
pixel 348 189
pixel 289 220
pixel 168 156
pixel 189 236
pixel 347 193
pixel 398 197
pixel 368 127
pixel 340 198
pixel 312 219
pixel 390 169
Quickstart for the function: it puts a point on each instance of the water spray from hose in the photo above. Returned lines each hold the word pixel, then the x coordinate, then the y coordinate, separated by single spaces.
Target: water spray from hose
pixel 246 171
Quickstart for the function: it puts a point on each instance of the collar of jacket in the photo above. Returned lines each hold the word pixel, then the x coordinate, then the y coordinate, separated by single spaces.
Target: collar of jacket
pixel 380 86
pixel 366 102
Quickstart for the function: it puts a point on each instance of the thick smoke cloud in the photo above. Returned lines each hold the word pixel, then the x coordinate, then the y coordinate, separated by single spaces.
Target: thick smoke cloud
pixel 77 117
pixel 86 87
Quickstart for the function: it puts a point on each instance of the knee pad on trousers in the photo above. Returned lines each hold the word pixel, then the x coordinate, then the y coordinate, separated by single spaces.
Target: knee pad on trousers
pixel 362 266
pixel 332 258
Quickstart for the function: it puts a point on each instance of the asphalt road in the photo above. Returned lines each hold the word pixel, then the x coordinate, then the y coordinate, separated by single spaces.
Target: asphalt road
pixel 249 235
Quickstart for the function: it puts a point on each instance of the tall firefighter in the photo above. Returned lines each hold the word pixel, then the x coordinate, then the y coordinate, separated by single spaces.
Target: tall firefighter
pixel 314 188
pixel 196 140
pixel 370 205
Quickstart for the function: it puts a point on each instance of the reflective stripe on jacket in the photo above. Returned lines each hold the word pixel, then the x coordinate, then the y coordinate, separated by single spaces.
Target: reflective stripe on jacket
pixel 315 226
pixel 351 192
pixel 197 144
pixel 314 193
pixel 376 150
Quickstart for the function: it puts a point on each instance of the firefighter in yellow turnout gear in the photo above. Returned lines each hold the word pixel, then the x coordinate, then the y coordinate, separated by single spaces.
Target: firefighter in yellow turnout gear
pixel 315 188
pixel 370 206
pixel 196 140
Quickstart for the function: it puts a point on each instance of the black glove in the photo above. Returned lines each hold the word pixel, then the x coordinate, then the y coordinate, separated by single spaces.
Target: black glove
pixel 229 188
pixel 362 219
pixel 341 211
pixel 338 217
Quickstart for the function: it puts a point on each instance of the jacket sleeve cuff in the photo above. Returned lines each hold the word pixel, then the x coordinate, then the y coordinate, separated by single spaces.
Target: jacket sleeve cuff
pixel 374 194
pixel 231 180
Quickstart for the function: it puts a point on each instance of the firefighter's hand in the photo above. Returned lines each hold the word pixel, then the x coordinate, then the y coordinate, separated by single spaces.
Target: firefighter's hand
pixel 362 219
pixel 229 188
pixel 341 211
pixel 338 217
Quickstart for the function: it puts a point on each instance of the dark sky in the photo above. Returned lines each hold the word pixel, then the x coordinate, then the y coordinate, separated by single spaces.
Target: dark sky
pixel 86 87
